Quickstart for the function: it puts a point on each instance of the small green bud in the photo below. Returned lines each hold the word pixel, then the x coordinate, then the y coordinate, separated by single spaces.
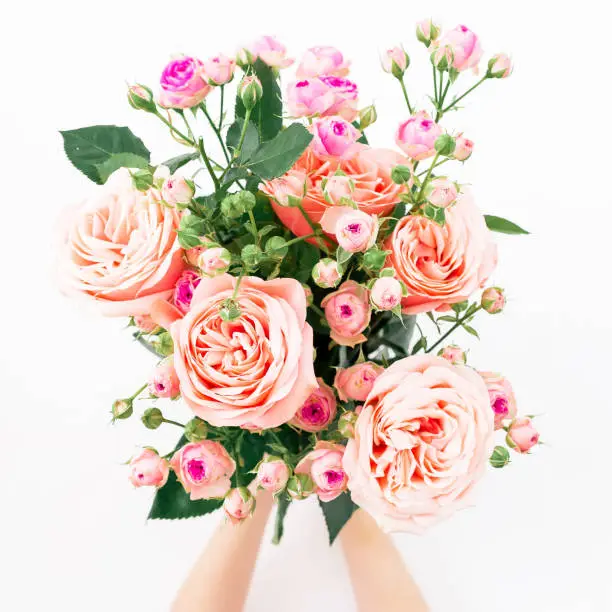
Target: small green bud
pixel 122 409
pixel 300 486
pixel 163 343
pixel 277 247
pixel 445 145
pixel 251 255
pixel 141 98
pixel 367 116
pixel 250 91
pixel 247 200
pixel 230 310
pixel 152 418
pixel 401 174
pixel 493 300
pixel 142 179
pixel 346 424
pixel 196 430
pixel 232 207
pixel 374 259
pixel 500 457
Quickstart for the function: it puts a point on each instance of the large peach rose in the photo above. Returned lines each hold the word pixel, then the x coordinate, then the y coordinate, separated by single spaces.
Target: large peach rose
pixel 422 440
pixel 255 371
pixel 369 170
pixel 442 264
pixel 121 251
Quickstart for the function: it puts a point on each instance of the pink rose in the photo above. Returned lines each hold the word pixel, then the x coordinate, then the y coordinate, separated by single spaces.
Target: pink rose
pixel 214 261
pixel 500 66
pixel 344 96
pixel 465 46
pixel 338 188
pixel 238 505
pixel 145 323
pixel 356 382
pixel 334 136
pixel 441 192
pixel 442 265
pixel 324 466
pixel 322 61
pixel 148 469
pixel 422 441
pixel 355 231
pixel 255 370
pixel 395 61
pixel 501 396
pixel 493 300
pixel 323 96
pixel 271 52
pixel 453 354
pixel 347 311
pixel 318 411
pixel 417 136
pixel 121 250
pixel 522 435
pixel 183 291
pixel 386 293
pixel 204 469
pixel 463 148
pixel 177 190
pixel 183 83
pixel 272 474
pixel 164 382
pixel 427 31
pixel 219 69
pixel 327 273
pixel 289 188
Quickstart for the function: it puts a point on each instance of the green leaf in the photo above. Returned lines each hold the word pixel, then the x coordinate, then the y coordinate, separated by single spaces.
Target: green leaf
pixel 435 213
pixel 190 231
pixel 470 330
pixel 174 163
pixel 503 226
pixel 90 147
pixel 120 160
pixel 391 331
pixel 275 157
pixel 337 512
pixel 251 449
pixel 251 138
pixel 363 138
pixel 300 260
pixel 282 506
pixel 342 256
pixel 268 112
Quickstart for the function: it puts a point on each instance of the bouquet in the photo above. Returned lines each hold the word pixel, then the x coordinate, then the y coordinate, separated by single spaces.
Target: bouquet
pixel 299 286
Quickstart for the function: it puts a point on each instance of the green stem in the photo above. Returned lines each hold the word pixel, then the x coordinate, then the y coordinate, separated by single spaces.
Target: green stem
pixel 221 108
pixel 453 328
pixel 435 80
pixel 133 397
pixel 237 287
pixel 452 104
pixel 247 117
pixel 405 94
pixel 440 85
pixel 177 132
pixel 314 228
pixel 317 310
pixel 434 166
pixel 439 113
pixel 298 239
pixel 433 163
pixel 217 132
pixel 281 511
pixel 209 167
pixel 173 423
pixel 254 225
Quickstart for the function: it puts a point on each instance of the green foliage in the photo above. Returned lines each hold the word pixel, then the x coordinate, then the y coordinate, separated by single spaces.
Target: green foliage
pixel 503 226
pixel 337 512
pixel 174 163
pixel 190 231
pixel 298 263
pixel 251 138
pixel 120 160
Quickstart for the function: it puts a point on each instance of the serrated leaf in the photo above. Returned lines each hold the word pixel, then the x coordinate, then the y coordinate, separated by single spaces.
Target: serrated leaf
pixel 174 163
pixel 435 213
pixel 342 256
pixel 503 226
pixel 251 138
pixel 120 160
pixel 90 147
pixel 337 512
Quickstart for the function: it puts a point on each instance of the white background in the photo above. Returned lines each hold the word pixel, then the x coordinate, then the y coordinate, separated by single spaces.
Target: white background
pixel 74 535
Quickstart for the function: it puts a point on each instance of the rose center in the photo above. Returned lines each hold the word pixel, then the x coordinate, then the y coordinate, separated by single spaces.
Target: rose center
pixel 314 413
pixel 338 128
pixel 500 405
pixel 334 477
pixel 354 228
pixel 345 310
pixel 196 469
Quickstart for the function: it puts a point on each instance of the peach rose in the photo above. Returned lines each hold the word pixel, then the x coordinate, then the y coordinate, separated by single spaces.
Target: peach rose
pixel 355 231
pixel 442 264
pixel 148 469
pixel 356 382
pixel 501 396
pixel 163 381
pixel 322 61
pixel 422 440
pixel 204 469
pixel 522 435
pixel 256 370
pixel 348 313
pixel 121 250
pixel 324 465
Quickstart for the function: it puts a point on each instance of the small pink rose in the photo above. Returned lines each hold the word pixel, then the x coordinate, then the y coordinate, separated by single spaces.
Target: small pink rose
pixel 501 395
pixel 318 411
pixel 322 61
pixel 323 96
pixel 348 313
pixel 356 382
pixel 177 190
pixel 417 136
pixel 386 293
pixel 271 52
pixel 148 469
pixel 453 354
pixel 219 69
pixel 327 273
pixel 289 188
pixel 522 435
pixel 214 261
pixel 355 230
pixel 395 61
pixel 324 466
pixel 164 382
pixel 334 137
pixel 145 323
pixel 427 31
pixel 338 188
pixel 500 66
pixel 183 83
pixel 441 192
pixel 463 148
pixel 465 47
pixel 272 474
pixel 183 291
pixel 493 300
pixel 238 505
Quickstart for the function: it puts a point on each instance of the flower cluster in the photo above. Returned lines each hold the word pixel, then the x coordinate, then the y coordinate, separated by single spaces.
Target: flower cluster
pixel 280 286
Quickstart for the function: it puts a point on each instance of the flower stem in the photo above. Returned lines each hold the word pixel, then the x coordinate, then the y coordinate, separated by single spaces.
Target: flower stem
pixel 427 177
pixel 453 328
pixel 202 151
pixel 435 80
pixel 133 397
pixel 452 104
pixel 177 132
pixel 173 423
pixel 254 225
pixel 434 166
pixel 247 117
pixel 314 228
pixel 221 109
pixel 217 132
pixel 405 94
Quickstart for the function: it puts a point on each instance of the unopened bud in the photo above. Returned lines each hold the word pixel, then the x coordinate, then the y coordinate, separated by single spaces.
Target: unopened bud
pixel 152 418
pixel 500 457
pixel 196 430
pixel 493 300
pixel 453 354
pixel 122 409
pixel 246 199
pixel 251 256
pixel 141 98
pixel 374 259
pixel 427 31
pixel 499 67
pixel 232 207
pixel 300 486
pixel 401 174
pixel 367 116
pixel 277 247
pixel 346 424
pixel 162 343
pixel 445 145
pixel 250 91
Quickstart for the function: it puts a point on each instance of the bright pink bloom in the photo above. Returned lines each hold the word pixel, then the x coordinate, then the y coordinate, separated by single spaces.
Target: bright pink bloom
pixel 334 136
pixel 183 83
pixel 219 70
pixel 501 395
pixel 417 136
pixel 323 96
pixel 183 291
pixel 348 313
pixel 324 465
pixel 322 61
pixel 148 469
pixel 386 293
pixel 318 411
pixel 164 382
pixel 522 435
pixel 355 231
pixel 355 382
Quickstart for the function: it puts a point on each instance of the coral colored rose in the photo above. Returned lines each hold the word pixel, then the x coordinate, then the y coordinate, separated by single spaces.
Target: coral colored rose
pixel 322 61
pixel 213 261
pixel 442 264
pixel 219 70
pixel 463 148
pixel 177 190
pixel 522 435
pixel 121 250
pixel 318 411
pixel 324 465
pixel 327 273
pixel 256 370
pixel 386 293
pixel 348 313
pixel 465 46
pixel 238 505
pixel 500 66
pixel 356 382
pixel 183 83
pixel 289 188
pixel 453 354
pixel 271 52
pixel 204 469
pixel 164 382
pixel 323 96
pixel 395 61
pixel 355 231
pixel 183 291
pixel 334 136
pixel 148 469
pixel 368 178
pixel 272 474
pixel 422 440
pixel 501 396
pixel 441 192
pixel 417 136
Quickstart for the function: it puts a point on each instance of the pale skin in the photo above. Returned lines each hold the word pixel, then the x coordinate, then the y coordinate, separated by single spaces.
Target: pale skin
pixel 220 579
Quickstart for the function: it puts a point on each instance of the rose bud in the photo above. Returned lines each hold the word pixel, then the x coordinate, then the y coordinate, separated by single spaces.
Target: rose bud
pixel 290 189
pixel 327 273
pixel 177 190
pixel 251 256
pixel 334 137
pixel 367 116
pixel 445 145
pixel 324 466
pixel 250 91
pixel 499 67
pixel 232 207
pixel 463 148
pixel 214 261
pixel 501 396
pixel 338 189
pixel 401 174
pixel 271 52
pixel 386 293
pixel 164 382
pixel 148 469
pixel 238 505
pixel 152 418
pixel 395 61
pixel 230 310
pixel 322 61
pixel 219 70
pixel 355 230
pixel 183 83
pixel 374 259
pixel 522 435
pixel 427 31
pixel 453 354
pixel 162 343
pixel 318 411
pixel 356 382
pixel 145 323
pixel 348 313
pixel 245 57
pixel 465 48
pixel 417 136
pixel 272 474
pixel 442 57
pixel 308 294
pixel 122 408
pixel 493 300
pixel 346 424
pixel 141 98
pixel 300 486
pixel 184 288
pixel 196 430
pixel 441 192
pixel 276 247
pixel 500 457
